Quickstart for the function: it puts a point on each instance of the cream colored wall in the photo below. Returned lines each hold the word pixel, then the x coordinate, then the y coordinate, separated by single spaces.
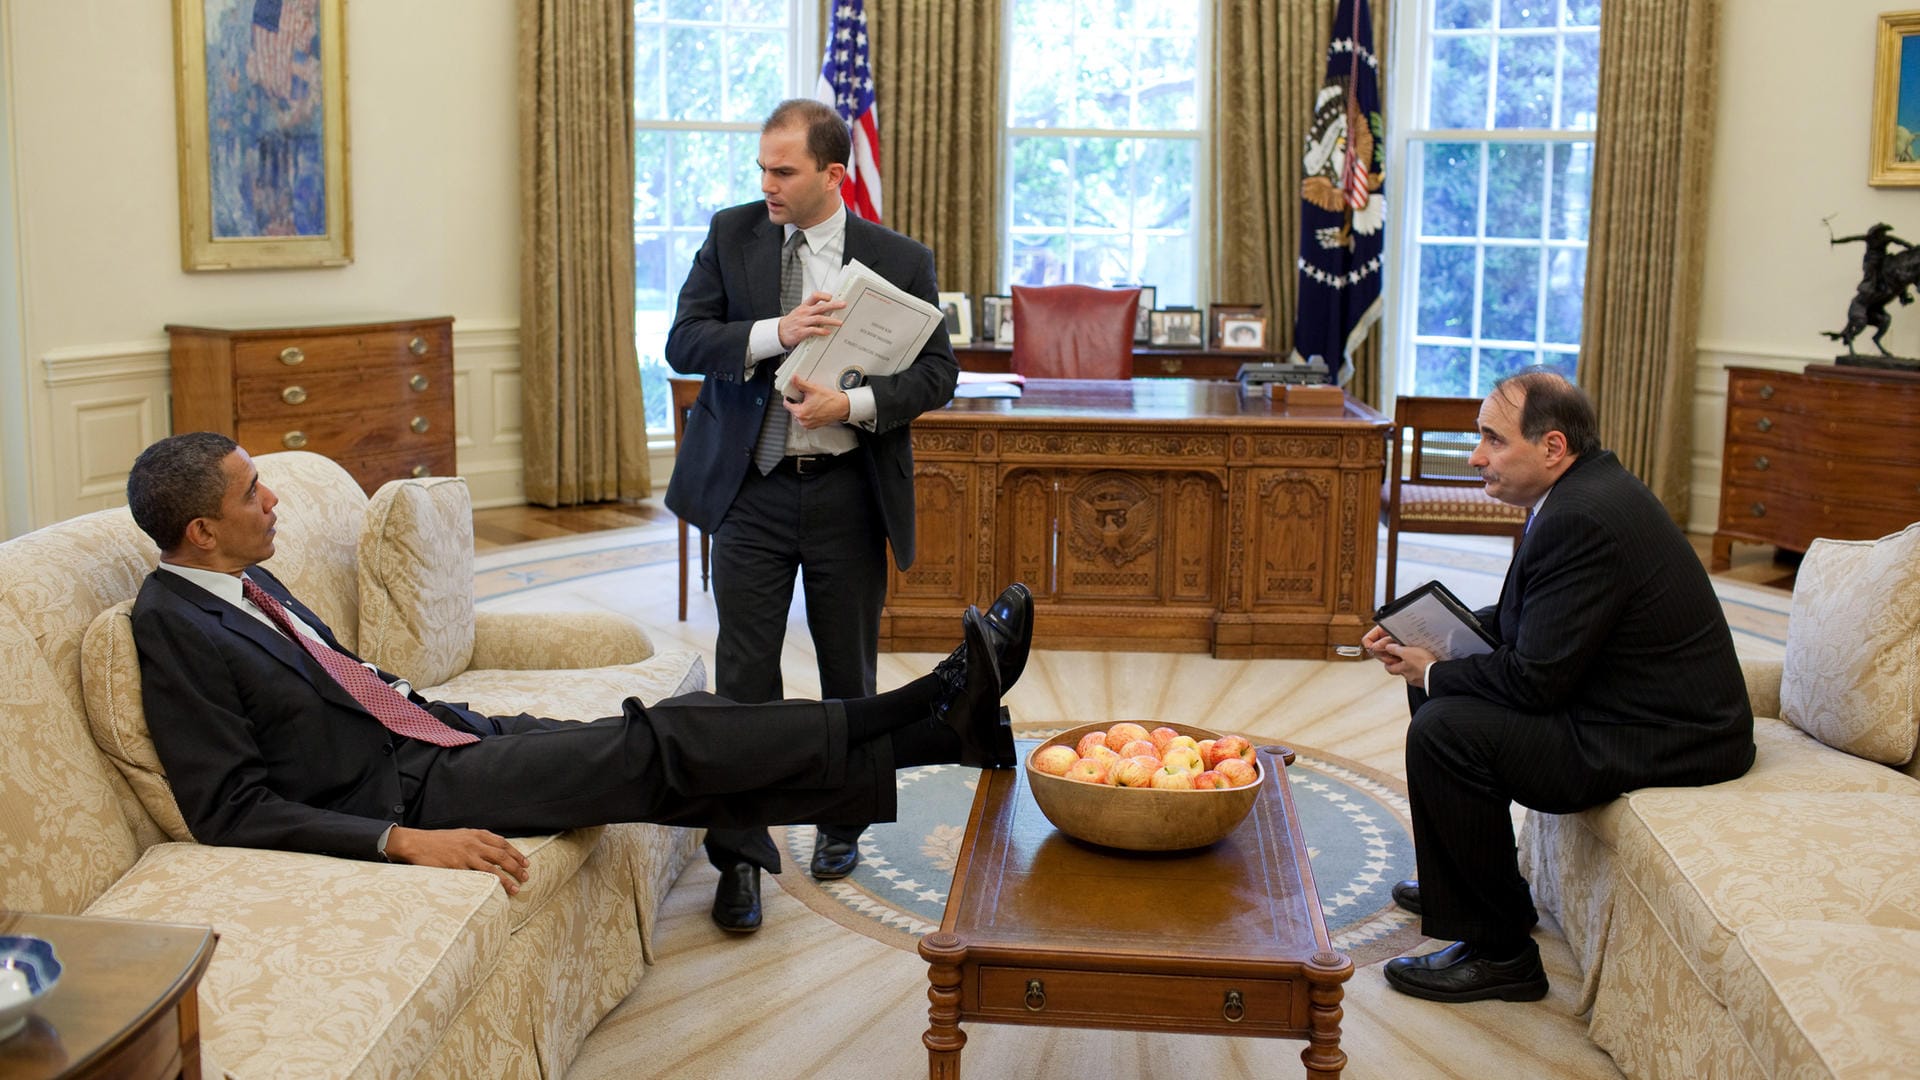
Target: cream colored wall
pixel 434 183
pixel 1795 104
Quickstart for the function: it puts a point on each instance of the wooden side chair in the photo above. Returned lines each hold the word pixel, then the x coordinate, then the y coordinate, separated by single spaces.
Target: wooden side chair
pixel 1434 490
pixel 685 392
pixel 1073 331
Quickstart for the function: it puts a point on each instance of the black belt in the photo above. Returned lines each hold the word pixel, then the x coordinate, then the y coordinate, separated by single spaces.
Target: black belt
pixel 804 465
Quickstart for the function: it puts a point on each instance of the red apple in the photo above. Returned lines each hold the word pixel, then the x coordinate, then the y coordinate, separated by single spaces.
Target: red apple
pixel 1055 760
pixel 1090 740
pixel 1211 781
pixel 1140 748
pixel 1132 772
pixel 1088 771
pixel 1123 733
pixel 1104 754
pixel 1205 746
pixel 1240 773
pixel 1173 778
pixel 1231 746
pixel 1161 736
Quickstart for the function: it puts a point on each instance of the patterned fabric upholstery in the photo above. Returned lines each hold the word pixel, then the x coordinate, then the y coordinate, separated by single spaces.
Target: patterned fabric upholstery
pixel 416 579
pixel 1441 502
pixel 1852 677
pixel 326 967
pixel 1820 999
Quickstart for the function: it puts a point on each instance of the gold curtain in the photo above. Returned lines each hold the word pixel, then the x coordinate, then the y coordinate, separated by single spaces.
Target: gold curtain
pixel 1653 150
pixel 937 83
pixel 1271 58
pixel 584 422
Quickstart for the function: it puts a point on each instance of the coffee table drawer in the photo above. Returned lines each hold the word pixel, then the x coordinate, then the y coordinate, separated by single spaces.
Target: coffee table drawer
pixel 1173 1002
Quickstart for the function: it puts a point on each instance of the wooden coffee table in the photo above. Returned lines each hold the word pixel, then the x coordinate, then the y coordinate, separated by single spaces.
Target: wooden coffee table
pixel 1044 929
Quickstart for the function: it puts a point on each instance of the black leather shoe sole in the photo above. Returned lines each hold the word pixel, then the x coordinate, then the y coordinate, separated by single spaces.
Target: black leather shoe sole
pixel 833 859
pixel 736 902
pixel 986 740
pixel 1407 895
pixel 1011 619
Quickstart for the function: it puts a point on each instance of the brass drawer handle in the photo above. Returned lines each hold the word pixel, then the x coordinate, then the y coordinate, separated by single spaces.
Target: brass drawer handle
pixel 1761 463
pixel 1036 995
pixel 1234 1010
pixel 419 382
pixel 291 355
pixel 418 346
pixel 1764 424
pixel 294 395
pixel 294 440
pixel 1766 391
pixel 420 471
pixel 419 424
pixel 1759 509
pixel 1172 364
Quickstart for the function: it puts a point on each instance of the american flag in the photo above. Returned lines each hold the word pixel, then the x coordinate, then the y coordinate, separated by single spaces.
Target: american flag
pixel 280 29
pixel 846 83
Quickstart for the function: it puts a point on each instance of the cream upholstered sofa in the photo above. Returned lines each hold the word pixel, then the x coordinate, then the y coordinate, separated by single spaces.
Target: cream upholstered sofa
pixel 1769 926
pixel 331 967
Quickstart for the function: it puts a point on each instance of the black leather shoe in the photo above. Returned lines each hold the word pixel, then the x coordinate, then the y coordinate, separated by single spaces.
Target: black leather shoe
pixel 1462 972
pixel 1407 895
pixel 736 903
pixel 970 702
pixel 1010 631
pixel 833 859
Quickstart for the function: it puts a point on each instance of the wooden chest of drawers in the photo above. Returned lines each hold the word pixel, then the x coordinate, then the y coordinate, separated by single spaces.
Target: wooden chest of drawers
pixel 1833 452
pixel 375 397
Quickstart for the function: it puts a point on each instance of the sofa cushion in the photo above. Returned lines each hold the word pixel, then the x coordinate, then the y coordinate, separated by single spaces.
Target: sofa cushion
pixel 1852 669
pixel 1711 863
pixel 1817 999
pixel 325 967
pixel 580 694
pixel 416 579
pixel 118 716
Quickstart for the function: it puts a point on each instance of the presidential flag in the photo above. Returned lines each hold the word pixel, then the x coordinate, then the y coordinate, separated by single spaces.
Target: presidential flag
pixel 282 29
pixel 1342 210
pixel 846 83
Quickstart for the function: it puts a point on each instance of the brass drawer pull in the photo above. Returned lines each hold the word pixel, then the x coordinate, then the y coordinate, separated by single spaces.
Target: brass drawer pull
pixel 1766 391
pixel 1172 364
pixel 420 471
pixel 1764 424
pixel 419 424
pixel 294 440
pixel 1036 995
pixel 1759 509
pixel 294 395
pixel 418 347
pixel 419 382
pixel 1234 1010
pixel 1761 463
pixel 291 355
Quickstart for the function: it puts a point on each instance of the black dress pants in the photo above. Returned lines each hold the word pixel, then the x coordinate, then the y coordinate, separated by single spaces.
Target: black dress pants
pixel 826 530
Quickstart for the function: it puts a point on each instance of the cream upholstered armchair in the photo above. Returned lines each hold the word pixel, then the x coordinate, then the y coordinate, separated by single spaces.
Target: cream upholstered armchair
pixel 331 967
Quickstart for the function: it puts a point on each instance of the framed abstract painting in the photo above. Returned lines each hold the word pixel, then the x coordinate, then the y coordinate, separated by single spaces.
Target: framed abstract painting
pixel 1895 141
pixel 262 118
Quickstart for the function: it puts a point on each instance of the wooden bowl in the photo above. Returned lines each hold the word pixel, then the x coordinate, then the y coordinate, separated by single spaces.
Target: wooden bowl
pixel 1139 819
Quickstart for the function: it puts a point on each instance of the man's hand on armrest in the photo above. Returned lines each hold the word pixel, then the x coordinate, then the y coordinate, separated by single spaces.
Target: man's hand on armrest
pixel 460 849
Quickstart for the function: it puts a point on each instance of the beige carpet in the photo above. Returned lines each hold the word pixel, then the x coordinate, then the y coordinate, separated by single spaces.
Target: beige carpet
pixel 806 997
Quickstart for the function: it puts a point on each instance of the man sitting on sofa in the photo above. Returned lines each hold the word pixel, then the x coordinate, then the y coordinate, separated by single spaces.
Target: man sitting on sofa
pixel 275 737
pixel 1614 670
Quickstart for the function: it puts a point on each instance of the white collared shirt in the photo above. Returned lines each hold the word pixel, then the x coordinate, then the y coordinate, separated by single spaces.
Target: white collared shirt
pixel 820 266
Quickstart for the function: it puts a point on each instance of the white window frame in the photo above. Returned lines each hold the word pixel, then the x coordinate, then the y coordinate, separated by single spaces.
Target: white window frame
pixel 1408 98
pixel 1202 228
pixel 803 65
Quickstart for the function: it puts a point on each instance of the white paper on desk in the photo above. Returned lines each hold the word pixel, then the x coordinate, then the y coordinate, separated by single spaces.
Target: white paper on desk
pixel 882 329
pixel 987 389
pixel 1428 622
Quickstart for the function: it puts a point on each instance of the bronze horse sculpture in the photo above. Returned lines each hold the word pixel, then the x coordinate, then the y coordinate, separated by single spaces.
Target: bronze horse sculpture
pixel 1885 277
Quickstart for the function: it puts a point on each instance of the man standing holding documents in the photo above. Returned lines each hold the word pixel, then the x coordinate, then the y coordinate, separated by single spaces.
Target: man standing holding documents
pixel 1613 669
pixel 817 484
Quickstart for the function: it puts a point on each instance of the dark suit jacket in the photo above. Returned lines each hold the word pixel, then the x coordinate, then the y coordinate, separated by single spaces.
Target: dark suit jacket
pixel 735 280
pixel 1607 614
pixel 253 755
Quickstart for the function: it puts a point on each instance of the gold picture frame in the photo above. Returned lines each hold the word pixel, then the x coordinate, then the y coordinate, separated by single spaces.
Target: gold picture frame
pixel 263 158
pixel 1894 148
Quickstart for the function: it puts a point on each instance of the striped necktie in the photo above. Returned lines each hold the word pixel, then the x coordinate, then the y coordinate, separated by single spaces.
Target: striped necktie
pixel 773 424
pixel 396 713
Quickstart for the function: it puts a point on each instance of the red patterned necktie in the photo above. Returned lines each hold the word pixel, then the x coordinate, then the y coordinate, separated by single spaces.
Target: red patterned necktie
pixel 402 717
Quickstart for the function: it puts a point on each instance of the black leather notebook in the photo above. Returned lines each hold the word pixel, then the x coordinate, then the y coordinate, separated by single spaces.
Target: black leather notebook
pixel 1432 618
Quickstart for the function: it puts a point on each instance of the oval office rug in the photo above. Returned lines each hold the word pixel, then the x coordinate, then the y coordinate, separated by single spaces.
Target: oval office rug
pixel 1354 819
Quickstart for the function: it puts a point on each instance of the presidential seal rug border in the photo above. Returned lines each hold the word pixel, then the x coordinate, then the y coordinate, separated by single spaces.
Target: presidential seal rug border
pixel 1354 819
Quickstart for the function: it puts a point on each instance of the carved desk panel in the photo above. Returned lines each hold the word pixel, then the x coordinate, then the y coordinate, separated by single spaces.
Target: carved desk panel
pixel 1164 515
